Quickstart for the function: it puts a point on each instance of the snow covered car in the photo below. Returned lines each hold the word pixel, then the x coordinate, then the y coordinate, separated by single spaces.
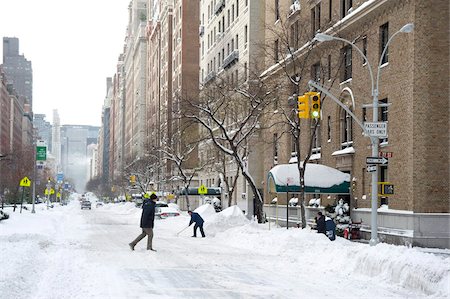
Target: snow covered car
pixel 3 215
pixel 86 204
pixel 162 210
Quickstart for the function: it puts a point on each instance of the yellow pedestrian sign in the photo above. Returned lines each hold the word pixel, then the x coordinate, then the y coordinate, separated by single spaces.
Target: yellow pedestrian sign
pixel 25 182
pixel 202 190
pixel 52 191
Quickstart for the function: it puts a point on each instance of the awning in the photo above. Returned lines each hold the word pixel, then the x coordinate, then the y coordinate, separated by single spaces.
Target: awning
pixel 319 179
pixel 194 191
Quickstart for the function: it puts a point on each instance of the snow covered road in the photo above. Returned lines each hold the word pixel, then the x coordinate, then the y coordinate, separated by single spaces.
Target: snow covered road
pixel 67 252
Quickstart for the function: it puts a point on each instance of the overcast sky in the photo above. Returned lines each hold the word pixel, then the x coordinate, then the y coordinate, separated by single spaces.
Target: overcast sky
pixel 73 47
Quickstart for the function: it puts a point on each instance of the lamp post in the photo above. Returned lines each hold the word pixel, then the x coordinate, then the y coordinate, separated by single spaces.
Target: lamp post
pixel 321 37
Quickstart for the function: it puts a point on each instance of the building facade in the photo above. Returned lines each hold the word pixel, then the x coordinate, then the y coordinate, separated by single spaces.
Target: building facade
pixel 414 67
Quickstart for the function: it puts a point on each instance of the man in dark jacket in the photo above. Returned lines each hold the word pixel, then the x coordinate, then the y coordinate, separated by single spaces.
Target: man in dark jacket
pixel 195 217
pixel 320 221
pixel 147 222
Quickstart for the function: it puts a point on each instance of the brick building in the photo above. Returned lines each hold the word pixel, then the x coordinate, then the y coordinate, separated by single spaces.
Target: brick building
pixel 413 82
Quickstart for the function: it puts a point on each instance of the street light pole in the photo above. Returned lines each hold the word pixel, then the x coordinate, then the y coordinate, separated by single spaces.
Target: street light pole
pixel 374 140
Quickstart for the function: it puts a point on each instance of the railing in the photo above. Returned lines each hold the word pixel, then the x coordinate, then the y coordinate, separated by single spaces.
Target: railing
pixel 234 56
pixel 209 77
pixel 219 6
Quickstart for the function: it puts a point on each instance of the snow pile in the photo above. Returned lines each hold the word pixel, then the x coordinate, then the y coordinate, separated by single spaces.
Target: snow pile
pixel 408 267
pixel 224 220
pixel 205 211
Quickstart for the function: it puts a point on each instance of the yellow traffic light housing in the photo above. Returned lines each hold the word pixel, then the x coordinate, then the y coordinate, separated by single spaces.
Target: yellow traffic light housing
pixel 314 100
pixel 303 106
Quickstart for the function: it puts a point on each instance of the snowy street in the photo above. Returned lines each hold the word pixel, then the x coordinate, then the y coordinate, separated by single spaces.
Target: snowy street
pixel 66 252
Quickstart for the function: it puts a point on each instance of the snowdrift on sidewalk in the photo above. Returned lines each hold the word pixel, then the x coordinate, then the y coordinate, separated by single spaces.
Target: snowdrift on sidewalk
pixel 224 220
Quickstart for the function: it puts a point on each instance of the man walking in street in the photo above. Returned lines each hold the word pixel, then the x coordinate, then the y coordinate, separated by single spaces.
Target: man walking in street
pixel 195 217
pixel 147 222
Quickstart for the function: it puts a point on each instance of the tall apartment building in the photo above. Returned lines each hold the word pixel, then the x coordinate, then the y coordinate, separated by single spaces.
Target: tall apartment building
pixel 172 75
pixel 413 86
pixel 18 69
pixel 135 63
pixel 56 141
pixel 104 137
pixel 231 38
pixel 44 129
pixel 117 124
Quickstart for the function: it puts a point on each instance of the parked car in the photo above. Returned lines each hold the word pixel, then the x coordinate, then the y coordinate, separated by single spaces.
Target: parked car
pixel 162 210
pixel 99 204
pixel 86 204
pixel 3 215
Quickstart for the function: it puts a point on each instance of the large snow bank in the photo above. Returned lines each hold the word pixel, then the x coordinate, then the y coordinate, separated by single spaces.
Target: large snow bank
pixel 205 211
pixel 226 219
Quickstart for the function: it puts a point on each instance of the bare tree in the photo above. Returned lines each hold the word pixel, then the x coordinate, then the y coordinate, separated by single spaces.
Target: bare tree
pixel 297 64
pixel 229 114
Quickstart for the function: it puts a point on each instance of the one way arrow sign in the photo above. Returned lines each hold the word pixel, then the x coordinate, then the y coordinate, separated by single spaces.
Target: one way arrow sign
pixel 376 160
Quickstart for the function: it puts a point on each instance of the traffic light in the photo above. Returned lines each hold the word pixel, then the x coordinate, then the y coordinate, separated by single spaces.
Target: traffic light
pixel 314 100
pixel 303 106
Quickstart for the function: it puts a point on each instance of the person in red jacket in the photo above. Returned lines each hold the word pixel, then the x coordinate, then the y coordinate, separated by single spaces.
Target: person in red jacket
pixel 195 217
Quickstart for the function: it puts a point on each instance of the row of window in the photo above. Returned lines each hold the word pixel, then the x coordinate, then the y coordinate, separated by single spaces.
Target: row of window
pixel 346 55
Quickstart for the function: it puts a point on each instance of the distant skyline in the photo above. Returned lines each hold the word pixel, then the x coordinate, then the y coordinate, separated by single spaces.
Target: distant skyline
pixel 73 47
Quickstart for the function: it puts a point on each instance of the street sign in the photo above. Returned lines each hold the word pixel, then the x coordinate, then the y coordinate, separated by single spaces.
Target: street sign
pixel 376 129
pixel 385 154
pixel 202 190
pixel 60 177
pixel 386 188
pixel 25 182
pixel 376 160
pixel 41 153
pixel 371 168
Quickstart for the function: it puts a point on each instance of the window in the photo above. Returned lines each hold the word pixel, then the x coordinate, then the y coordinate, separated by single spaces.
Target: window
pixel 232 13
pixel 246 2
pixel 384 37
pixel 245 71
pixel 275 148
pixel 275 51
pixel 237 8
pixel 277 10
pixel 237 42
pixel 315 19
pixel 294 35
pixel 364 114
pixel 364 46
pixel 330 10
pixel 329 128
pixel 228 18
pixel 316 138
pixel 219 60
pixel 315 72
pixel 346 5
pixel 329 67
pixel 245 36
pixel 346 129
pixel 347 60
pixel 383 115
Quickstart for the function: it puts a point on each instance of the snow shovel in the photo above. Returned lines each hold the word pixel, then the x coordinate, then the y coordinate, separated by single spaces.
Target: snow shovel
pixel 178 233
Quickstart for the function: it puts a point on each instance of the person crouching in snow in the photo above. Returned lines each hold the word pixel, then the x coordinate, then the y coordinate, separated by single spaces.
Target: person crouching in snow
pixel 320 221
pixel 195 217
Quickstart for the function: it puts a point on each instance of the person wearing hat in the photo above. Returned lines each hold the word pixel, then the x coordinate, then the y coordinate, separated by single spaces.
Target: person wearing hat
pixel 147 222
